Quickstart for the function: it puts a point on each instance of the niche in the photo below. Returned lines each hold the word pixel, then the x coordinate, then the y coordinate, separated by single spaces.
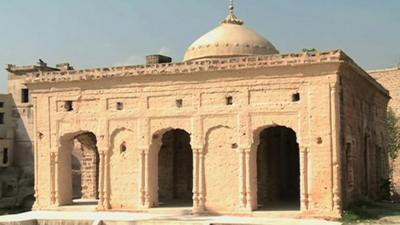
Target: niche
pixel 122 147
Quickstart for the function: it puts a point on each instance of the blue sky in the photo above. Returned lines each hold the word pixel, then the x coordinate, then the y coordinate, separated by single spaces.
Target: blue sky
pixel 100 33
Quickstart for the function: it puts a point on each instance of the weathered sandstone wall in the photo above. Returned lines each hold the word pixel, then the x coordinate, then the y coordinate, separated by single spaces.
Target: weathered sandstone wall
pixel 390 78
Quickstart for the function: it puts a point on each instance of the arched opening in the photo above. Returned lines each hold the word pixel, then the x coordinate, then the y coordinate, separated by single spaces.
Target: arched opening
pixel 78 169
pixel 175 166
pixel 88 156
pixel 278 169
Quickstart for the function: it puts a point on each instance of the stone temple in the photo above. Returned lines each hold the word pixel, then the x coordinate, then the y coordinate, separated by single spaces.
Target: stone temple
pixel 235 128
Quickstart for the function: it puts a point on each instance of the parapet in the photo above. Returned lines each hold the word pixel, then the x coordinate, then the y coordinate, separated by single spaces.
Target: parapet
pixel 218 64
pixel 23 70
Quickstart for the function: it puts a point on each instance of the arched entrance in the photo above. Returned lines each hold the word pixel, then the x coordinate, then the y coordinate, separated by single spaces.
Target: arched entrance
pixel 78 169
pixel 278 169
pixel 175 169
pixel 86 149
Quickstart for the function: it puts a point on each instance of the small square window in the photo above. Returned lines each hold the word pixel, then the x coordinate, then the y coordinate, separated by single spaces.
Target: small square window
pixel 1 104
pixel 296 97
pixel 1 118
pixel 5 156
pixel 229 100
pixel 179 103
pixel 120 106
pixel 25 95
pixel 68 106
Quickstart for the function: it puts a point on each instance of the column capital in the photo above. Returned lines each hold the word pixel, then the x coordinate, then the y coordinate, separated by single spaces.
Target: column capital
pixel 247 150
pixel 143 150
pixel 304 149
pixel 245 147
pixel 197 150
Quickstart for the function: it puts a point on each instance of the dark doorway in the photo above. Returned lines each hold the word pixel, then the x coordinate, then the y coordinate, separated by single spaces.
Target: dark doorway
pixel 175 166
pixel 278 170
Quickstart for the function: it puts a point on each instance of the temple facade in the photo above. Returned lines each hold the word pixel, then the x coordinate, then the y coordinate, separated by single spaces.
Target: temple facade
pixel 235 128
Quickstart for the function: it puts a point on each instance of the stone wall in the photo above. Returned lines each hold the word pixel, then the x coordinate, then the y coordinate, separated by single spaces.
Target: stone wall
pixel 7 131
pixel 124 162
pixel 22 167
pixel 16 182
pixel 363 113
pixel 390 78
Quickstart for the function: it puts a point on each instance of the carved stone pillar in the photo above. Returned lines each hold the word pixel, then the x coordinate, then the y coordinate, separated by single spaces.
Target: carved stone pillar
pixel 335 147
pixel 101 189
pixel 106 178
pixel 242 179
pixel 36 154
pixel 249 193
pixel 196 181
pixel 142 170
pixel 304 179
pixel 146 180
pixel 54 179
pixel 201 188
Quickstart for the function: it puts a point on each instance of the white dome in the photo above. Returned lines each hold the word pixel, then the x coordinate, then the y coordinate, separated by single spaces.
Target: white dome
pixel 231 38
pixel 228 40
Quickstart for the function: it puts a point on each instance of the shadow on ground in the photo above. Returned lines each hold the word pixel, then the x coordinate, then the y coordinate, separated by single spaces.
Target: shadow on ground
pixel 13 211
pixel 372 212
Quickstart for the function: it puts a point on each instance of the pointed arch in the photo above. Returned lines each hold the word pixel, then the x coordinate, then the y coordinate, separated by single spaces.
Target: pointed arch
pixel 278 167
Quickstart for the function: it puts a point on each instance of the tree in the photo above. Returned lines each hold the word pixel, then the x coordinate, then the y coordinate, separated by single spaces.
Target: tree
pixel 309 49
pixel 393 134
pixel 387 189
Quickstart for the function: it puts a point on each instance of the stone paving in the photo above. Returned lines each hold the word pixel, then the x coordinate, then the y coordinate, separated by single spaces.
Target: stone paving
pixel 125 218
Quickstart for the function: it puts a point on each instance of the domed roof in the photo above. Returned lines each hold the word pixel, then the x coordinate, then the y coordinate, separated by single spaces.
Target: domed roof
pixel 231 38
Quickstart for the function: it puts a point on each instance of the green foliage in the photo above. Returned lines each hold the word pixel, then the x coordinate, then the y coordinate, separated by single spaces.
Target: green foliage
pixel 393 134
pixel 385 188
pixel 359 212
pixel 367 211
pixel 13 211
pixel 309 50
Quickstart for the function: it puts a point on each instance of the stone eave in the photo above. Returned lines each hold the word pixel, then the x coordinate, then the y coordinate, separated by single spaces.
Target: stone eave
pixel 384 70
pixel 367 76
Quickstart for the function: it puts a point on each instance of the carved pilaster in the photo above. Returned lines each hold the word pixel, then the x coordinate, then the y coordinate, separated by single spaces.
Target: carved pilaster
pixel 101 204
pixel 248 195
pixel 36 153
pixel 196 179
pixel 146 180
pixel 201 196
pixel 142 170
pixel 54 178
pixel 242 180
pixel 304 178
pixel 106 194
pixel 335 105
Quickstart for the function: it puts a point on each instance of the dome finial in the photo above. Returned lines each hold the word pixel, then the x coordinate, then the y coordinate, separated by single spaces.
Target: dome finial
pixel 231 7
pixel 232 18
